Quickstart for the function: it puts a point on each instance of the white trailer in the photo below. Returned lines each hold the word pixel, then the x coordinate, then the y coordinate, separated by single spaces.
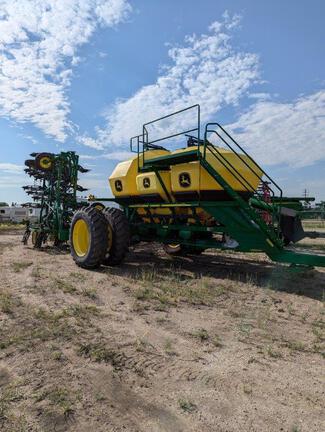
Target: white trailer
pixel 5 214
pixel 13 214
pixel 33 214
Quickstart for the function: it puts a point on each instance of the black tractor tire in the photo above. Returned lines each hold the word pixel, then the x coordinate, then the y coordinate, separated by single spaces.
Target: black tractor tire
pixel 97 205
pixel 38 238
pixel 91 255
pixel 194 251
pixel 118 236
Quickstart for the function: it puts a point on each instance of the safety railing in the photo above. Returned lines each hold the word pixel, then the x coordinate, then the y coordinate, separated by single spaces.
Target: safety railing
pixel 135 143
pixel 235 173
pixel 207 144
pixel 145 132
pixel 141 143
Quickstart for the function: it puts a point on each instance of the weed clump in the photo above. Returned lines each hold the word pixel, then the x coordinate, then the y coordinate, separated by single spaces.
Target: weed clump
pixel 170 288
pixel 7 302
pixel 97 352
pixel 201 334
pixel 186 405
pixel 19 266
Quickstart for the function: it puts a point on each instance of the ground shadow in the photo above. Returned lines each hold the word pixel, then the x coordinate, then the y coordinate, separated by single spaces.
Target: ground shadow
pixel 234 266
pixel 230 265
pixel 55 250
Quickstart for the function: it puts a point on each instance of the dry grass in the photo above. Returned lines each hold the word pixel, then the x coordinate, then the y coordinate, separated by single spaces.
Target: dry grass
pixel 170 289
pixel 59 398
pixel 20 266
pixel 6 226
pixel 178 346
pixel 7 302
pixel 39 325
pixel 313 224
pixel 65 285
pixel 97 352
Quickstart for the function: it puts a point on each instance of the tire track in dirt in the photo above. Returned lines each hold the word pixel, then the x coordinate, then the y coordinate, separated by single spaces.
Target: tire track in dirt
pixel 151 365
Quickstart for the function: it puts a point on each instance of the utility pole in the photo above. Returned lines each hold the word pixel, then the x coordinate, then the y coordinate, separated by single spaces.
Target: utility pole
pixel 305 193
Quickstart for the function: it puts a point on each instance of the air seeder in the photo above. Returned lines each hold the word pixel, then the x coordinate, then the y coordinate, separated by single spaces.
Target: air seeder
pixel 209 194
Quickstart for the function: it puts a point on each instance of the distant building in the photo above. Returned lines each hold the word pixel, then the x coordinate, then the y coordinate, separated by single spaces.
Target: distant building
pixel 18 214
pixel 13 214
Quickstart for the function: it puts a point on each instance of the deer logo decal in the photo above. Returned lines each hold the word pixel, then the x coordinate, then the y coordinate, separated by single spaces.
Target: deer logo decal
pixel 184 179
pixel 146 182
pixel 118 185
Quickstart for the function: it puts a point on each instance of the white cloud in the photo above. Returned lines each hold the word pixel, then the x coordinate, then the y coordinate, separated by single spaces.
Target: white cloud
pixel 39 40
pixel 206 69
pixel 10 168
pixel 260 96
pixel 11 182
pixel 88 157
pixel 12 176
pixel 285 133
pixel 92 142
pixel 119 155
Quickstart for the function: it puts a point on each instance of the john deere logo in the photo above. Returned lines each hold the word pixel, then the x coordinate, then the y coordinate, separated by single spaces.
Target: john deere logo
pixel 118 185
pixel 184 179
pixel 146 182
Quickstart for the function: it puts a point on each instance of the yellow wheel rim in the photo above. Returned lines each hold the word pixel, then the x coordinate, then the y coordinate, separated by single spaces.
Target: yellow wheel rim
pixel 34 237
pixel 45 162
pixel 174 245
pixel 81 238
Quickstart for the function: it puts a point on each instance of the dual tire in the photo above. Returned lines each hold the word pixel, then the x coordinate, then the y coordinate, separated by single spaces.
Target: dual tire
pixel 99 236
pixel 118 236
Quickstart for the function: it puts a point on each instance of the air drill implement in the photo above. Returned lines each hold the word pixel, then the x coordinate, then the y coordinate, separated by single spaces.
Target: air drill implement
pixel 209 194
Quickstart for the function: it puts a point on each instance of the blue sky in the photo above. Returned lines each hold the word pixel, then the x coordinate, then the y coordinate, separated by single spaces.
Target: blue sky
pixel 85 74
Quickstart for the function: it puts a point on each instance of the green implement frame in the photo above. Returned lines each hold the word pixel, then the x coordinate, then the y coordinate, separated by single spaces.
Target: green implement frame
pixel 55 195
pixel 266 222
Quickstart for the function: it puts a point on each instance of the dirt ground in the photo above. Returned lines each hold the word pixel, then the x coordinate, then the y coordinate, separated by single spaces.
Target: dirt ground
pixel 222 342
